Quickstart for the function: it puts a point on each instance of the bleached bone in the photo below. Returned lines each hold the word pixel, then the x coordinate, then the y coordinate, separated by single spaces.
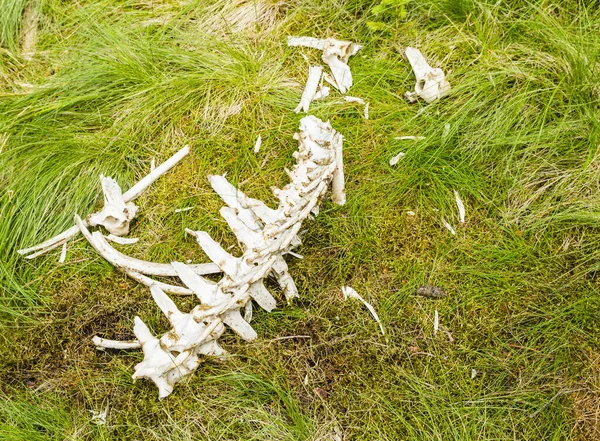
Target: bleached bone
pixel 103 343
pixel 431 83
pixel 116 214
pixel 323 92
pixel 351 293
pixel 128 196
pixel 265 235
pixel 461 207
pixel 115 258
pixel 353 99
pixel 310 90
pixel 63 253
pixel 448 226
pixel 335 54
pixel 397 158
pixel 258 144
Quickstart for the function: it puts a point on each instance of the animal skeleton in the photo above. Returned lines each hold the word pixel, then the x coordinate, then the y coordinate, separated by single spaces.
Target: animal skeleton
pixel 265 235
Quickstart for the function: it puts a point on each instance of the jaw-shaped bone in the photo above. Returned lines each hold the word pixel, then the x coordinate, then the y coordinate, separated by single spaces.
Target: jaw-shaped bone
pixel 116 214
pixel 336 54
pixel 431 83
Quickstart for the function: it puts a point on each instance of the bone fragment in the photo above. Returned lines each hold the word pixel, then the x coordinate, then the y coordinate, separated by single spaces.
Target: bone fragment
pixel 183 210
pixel 336 54
pixel 310 90
pixel 104 343
pixel 63 253
pixel 397 158
pixel 323 92
pixel 431 83
pixel 353 99
pixel 448 226
pixel 351 293
pixel 436 322
pixel 128 196
pixel 101 245
pixel 461 207
pixel 257 144
pixel 366 111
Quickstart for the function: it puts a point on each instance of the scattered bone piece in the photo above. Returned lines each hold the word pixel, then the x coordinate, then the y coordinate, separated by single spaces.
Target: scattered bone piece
pixel 351 293
pixel 63 253
pixel 122 240
pixel 257 144
pixel 397 158
pixel 353 99
pixel 431 83
pixel 128 196
pixel 448 226
pixel 366 111
pixel 473 374
pixel 312 83
pixel 409 137
pixel 99 418
pixel 152 164
pixel 436 322
pixel 323 92
pixel 336 54
pixel 103 343
pixel 183 210
pixel 410 96
pixel 411 213
pixel 461 207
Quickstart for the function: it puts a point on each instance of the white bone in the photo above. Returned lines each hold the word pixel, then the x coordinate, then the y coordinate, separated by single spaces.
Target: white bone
pixel 448 226
pixel 397 158
pixel 215 252
pixel 431 83
pixel 436 322
pixel 366 111
pixel 120 260
pixel 461 207
pixel 257 144
pixel 234 320
pixel 336 54
pixel 351 293
pixel 63 253
pixel 116 214
pixel 323 92
pixel 103 343
pixel 128 196
pixel 353 99
pixel 310 90
pixel 183 210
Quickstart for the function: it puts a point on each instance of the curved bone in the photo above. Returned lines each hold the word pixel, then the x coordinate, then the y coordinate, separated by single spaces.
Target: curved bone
pixel 127 263
pixel 116 214
pixel 128 196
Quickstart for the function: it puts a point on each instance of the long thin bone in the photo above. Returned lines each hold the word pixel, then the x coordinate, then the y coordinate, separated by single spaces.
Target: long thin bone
pixel 128 196
pixel 115 258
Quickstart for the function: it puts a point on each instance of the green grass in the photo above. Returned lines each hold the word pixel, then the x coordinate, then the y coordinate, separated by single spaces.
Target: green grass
pixel 115 84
